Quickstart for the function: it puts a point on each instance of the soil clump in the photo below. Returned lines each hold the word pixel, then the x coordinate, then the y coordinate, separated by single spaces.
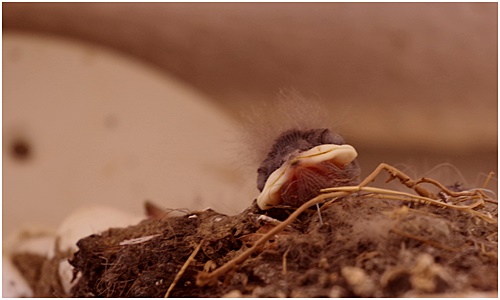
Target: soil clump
pixel 361 247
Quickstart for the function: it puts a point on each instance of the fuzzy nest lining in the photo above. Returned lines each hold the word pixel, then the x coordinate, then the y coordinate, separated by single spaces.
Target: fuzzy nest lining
pixel 365 247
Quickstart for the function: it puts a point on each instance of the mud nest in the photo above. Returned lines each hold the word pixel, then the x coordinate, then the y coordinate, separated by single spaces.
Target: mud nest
pixel 361 242
pixel 363 247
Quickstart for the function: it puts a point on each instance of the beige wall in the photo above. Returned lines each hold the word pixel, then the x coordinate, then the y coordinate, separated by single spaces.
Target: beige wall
pixel 415 75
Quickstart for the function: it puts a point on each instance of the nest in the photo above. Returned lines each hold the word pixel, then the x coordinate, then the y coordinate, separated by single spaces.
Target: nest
pixel 361 242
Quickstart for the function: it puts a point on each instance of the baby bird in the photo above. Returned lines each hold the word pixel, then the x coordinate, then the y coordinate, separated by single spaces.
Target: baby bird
pixel 301 163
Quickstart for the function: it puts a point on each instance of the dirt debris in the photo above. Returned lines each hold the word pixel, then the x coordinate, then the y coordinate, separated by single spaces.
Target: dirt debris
pixel 364 247
pixel 360 245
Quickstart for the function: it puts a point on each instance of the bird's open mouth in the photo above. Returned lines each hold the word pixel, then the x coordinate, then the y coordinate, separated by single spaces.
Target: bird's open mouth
pixel 339 155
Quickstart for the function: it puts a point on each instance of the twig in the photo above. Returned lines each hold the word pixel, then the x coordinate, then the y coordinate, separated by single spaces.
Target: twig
pixel 210 278
pixel 403 178
pixel 415 198
pixel 488 179
pixel 319 214
pixel 446 190
pixel 284 261
pixel 183 269
pixel 402 196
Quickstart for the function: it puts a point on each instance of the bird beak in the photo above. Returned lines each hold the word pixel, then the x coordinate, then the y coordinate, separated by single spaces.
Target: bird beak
pixel 340 155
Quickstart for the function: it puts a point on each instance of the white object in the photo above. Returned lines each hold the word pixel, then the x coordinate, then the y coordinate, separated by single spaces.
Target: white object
pixel 104 128
pixel 81 223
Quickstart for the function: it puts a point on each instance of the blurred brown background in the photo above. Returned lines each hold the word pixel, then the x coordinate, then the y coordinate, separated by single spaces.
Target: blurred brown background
pixel 412 83
pixel 432 66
